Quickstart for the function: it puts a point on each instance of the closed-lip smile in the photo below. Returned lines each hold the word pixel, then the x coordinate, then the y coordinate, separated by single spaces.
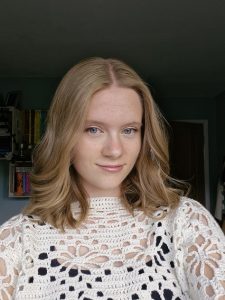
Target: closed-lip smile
pixel 111 168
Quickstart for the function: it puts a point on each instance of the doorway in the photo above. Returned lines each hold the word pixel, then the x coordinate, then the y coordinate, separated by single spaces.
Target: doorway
pixel 188 157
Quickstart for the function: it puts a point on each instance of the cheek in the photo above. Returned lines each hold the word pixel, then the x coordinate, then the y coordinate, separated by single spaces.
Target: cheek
pixel 134 151
pixel 80 164
pixel 80 157
pixel 84 156
pixel 138 146
pixel 80 151
pixel 77 157
pixel 136 154
pixel 88 146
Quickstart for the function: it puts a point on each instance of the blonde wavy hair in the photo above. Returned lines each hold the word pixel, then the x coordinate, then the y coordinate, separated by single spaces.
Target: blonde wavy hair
pixel 55 183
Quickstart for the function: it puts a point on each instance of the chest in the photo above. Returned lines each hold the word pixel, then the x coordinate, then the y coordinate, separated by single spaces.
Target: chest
pixel 96 245
pixel 122 258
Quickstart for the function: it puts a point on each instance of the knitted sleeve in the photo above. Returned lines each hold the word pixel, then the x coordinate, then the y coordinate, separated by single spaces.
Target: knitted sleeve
pixel 10 253
pixel 200 252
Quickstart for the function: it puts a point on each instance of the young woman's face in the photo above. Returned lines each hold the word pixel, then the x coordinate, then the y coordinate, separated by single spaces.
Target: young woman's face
pixel 111 141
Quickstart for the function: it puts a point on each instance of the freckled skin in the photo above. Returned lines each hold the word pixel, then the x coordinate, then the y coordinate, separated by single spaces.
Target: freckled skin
pixel 111 137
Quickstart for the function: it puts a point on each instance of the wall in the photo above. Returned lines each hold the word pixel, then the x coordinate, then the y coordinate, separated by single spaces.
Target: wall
pixel 197 109
pixel 37 94
pixel 220 107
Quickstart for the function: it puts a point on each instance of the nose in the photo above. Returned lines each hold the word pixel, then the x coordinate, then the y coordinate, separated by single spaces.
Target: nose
pixel 112 147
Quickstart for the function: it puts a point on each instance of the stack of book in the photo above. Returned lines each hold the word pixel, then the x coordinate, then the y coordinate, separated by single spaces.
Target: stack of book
pixel 33 123
pixel 22 180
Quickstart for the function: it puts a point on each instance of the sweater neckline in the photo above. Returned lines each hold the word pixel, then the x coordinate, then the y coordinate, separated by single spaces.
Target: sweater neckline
pixel 101 203
pixel 105 202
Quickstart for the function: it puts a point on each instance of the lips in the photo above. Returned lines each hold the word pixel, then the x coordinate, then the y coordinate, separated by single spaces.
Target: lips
pixel 111 168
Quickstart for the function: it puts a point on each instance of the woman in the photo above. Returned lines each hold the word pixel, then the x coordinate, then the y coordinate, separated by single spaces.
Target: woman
pixel 105 220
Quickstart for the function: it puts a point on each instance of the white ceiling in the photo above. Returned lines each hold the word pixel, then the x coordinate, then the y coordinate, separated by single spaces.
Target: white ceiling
pixel 178 46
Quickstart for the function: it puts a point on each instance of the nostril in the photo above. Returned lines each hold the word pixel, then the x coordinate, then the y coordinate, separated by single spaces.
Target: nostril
pixel 113 147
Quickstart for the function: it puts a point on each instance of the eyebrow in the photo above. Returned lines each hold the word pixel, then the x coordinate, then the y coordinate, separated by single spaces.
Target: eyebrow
pixel 103 123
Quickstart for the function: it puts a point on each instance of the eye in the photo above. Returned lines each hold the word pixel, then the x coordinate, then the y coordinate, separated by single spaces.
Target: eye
pixel 129 131
pixel 93 130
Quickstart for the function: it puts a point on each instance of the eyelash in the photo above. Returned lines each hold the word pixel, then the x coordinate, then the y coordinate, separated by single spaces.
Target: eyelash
pixel 89 129
pixel 132 130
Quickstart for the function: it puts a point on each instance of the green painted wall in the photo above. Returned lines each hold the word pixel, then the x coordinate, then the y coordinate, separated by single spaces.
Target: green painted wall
pixel 38 92
pixel 220 107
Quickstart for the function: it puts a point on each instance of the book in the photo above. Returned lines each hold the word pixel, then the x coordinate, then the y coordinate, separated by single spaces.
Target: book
pixel 22 180
pixel 34 123
pixel 18 183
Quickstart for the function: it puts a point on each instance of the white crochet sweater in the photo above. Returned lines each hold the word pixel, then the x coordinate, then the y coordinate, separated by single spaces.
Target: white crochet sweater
pixel 114 255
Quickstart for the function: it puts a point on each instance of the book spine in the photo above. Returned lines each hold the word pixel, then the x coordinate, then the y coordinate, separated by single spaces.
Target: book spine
pixel 24 182
pixel 19 184
pixel 27 183
pixel 37 126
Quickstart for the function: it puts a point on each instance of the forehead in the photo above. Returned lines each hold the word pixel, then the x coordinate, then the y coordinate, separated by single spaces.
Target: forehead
pixel 115 102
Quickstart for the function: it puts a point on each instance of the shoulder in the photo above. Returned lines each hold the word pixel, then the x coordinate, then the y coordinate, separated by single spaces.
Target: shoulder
pixel 12 221
pixel 13 228
pixel 192 209
pixel 191 217
pixel 186 203
pixel 15 221
pixel 11 248
pixel 188 208
pixel 11 240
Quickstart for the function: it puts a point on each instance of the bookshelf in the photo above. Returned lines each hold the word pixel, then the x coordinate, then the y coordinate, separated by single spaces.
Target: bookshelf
pixel 19 179
pixel 10 131
pixel 33 126
pixel 20 131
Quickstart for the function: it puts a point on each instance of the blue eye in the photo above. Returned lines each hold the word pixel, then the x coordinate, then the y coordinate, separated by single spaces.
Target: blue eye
pixel 129 131
pixel 93 130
